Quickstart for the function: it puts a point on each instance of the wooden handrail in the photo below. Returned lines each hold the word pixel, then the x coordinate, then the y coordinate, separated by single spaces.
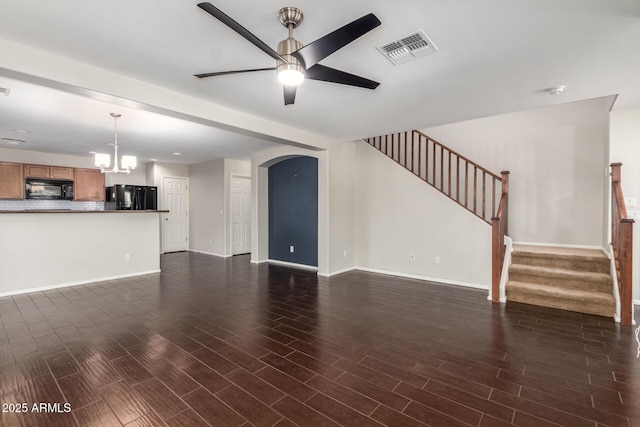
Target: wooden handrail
pixel 459 178
pixel 622 244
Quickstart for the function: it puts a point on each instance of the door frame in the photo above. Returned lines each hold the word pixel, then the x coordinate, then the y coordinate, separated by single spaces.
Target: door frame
pixel 164 207
pixel 229 231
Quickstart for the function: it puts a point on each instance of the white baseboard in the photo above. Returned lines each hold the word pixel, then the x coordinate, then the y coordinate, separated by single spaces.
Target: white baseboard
pixel 210 253
pixel 335 273
pixel 636 302
pixel 427 278
pixel 259 261
pixel 70 284
pixel 292 264
pixel 560 245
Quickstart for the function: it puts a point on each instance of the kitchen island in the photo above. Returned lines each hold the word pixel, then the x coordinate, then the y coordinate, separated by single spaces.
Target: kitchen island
pixel 46 249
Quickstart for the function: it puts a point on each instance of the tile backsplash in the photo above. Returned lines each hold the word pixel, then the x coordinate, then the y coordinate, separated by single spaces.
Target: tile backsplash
pixel 20 205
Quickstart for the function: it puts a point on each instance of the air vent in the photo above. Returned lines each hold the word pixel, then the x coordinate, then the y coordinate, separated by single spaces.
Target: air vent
pixel 408 48
pixel 5 91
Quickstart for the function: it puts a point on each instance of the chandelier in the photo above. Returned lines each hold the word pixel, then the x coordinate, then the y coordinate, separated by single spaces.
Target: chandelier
pixel 103 161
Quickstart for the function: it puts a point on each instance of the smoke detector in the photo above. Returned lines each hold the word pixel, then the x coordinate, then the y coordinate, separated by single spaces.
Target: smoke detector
pixel 407 48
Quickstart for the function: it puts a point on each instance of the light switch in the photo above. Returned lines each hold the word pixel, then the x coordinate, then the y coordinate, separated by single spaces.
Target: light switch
pixel 630 201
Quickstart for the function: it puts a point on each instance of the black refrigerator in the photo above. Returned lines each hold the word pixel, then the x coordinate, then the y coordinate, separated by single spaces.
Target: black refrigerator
pixel 132 197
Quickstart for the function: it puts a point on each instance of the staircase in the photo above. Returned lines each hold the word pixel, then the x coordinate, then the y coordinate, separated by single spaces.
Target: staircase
pixel 568 279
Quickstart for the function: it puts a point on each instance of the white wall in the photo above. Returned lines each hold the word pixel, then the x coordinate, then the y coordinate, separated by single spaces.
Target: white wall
pixel 94 245
pixel 206 207
pixel 397 215
pixel 210 204
pixel 342 215
pixel 625 148
pixel 557 159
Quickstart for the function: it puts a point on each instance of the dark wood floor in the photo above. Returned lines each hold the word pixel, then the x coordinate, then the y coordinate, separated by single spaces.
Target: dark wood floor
pixel 225 343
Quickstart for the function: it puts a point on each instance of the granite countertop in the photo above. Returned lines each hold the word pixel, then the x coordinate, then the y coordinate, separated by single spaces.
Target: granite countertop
pixel 77 211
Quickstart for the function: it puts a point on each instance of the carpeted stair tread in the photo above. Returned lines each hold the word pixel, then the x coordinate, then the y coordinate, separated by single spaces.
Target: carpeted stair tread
pixel 570 258
pixel 598 282
pixel 598 303
pixel 573 279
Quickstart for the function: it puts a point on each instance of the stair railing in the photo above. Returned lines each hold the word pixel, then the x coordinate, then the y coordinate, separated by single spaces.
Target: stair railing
pixel 470 185
pixel 622 244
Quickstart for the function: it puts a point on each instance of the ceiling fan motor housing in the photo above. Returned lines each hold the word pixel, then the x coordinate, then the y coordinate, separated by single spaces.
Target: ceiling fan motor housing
pixel 290 17
pixel 285 48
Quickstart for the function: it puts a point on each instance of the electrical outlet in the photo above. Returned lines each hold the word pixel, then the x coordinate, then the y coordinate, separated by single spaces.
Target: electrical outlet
pixel 291 249
pixel 344 253
pixel 436 259
pixel 210 241
pixel 633 214
pixel 127 256
pixel 412 257
pixel 630 201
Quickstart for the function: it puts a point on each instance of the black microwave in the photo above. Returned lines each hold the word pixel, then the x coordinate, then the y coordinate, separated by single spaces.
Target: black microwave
pixel 48 189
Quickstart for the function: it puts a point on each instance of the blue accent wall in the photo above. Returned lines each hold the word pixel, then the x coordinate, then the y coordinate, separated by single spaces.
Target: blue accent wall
pixel 293 210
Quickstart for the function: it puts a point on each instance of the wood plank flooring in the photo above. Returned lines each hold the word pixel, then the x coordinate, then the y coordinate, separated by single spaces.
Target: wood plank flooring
pixel 221 342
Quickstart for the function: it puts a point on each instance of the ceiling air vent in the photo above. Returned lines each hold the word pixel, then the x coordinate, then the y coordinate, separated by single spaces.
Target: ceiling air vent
pixel 408 48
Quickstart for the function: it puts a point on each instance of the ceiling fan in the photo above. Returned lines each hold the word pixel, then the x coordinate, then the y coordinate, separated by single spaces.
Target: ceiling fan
pixel 295 62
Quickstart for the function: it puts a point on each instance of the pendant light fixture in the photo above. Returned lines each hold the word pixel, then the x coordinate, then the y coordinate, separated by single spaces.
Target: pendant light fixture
pixel 103 161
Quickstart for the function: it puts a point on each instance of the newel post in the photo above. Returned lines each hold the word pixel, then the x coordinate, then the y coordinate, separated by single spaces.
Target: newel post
pixel 499 229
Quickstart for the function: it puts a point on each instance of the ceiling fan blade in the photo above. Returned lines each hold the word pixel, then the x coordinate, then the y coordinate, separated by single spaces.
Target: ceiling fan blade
pixel 326 74
pixel 289 94
pixel 224 73
pixel 316 51
pixel 229 22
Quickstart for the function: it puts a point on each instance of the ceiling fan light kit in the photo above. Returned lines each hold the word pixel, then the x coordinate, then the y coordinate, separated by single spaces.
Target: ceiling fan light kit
pixel 295 61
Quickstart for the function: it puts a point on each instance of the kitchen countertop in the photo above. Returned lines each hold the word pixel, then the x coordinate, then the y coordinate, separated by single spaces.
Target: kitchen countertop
pixel 76 211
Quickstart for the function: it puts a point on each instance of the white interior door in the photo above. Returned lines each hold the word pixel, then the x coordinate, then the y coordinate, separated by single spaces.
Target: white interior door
pixel 175 226
pixel 241 215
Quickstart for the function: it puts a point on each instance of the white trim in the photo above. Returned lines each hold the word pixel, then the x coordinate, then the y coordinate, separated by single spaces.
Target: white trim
pixel 81 282
pixel 259 262
pixel 292 264
pixel 335 273
pixel 636 302
pixel 426 278
pixel 560 245
pixel 209 253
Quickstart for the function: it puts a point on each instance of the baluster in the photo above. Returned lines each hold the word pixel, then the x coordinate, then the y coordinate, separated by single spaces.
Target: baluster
pixel 434 167
pixel 475 189
pixel 466 184
pixel 493 197
pixel 449 178
pixel 458 179
pixel 484 185
pixel 405 150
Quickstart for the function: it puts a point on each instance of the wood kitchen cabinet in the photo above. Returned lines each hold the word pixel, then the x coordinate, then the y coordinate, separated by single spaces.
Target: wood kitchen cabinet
pixel 88 185
pixel 43 171
pixel 11 181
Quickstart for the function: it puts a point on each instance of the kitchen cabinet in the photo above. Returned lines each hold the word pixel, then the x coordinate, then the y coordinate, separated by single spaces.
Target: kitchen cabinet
pixel 43 171
pixel 36 171
pixel 11 181
pixel 60 172
pixel 88 185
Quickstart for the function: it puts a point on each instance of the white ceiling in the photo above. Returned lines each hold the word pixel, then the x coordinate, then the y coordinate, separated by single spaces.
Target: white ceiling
pixel 496 56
